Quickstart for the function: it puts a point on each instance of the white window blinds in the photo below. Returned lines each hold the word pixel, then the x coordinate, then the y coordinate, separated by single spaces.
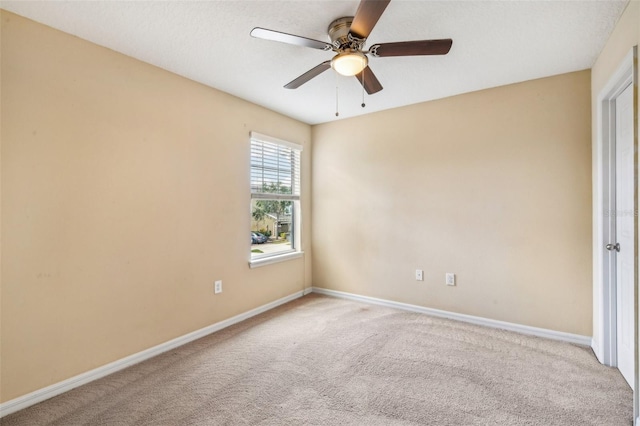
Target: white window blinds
pixel 275 168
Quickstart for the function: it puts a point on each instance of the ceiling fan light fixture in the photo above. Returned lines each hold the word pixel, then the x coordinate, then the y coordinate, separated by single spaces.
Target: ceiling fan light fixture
pixel 349 63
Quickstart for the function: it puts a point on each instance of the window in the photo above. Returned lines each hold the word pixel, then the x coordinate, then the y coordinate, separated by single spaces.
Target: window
pixel 275 199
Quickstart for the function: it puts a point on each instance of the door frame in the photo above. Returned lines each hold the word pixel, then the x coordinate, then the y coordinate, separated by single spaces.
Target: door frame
pixel 604 270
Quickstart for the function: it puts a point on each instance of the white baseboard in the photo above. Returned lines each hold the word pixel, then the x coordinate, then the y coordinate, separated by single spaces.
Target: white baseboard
pixel 307 290
pixel 595 347
pixel 524 329
pixel 40 395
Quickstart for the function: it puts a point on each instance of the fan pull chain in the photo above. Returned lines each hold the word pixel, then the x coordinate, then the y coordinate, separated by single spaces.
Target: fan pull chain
pixel 337 113
pixel 363 104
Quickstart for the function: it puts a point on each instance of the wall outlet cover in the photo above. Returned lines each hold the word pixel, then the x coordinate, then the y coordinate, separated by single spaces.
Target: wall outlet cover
pixel 217 287
pixel 450 278
pixel 419 275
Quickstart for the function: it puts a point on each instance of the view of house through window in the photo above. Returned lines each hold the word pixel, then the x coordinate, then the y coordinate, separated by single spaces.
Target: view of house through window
pixel 275 195
pixel 271 227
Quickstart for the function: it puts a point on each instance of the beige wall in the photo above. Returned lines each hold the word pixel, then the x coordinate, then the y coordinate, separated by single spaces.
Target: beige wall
pixel 494 186
pixel 125 194
pixel 624 37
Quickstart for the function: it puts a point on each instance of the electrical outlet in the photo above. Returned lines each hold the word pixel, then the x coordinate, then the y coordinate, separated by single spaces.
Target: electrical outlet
pixel 450 278
pixel 217 288
pixel 419 276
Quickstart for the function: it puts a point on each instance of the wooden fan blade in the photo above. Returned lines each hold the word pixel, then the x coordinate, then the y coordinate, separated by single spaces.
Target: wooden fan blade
pixel 412 48
pixel 313 72
pixel 289 39
pixel 370 83
pixel 367 15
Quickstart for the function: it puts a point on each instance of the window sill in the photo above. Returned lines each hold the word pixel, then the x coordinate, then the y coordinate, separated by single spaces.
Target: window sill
pixel 256 263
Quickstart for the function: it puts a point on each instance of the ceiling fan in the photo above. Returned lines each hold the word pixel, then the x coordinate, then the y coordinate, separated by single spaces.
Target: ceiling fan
pixel 348 36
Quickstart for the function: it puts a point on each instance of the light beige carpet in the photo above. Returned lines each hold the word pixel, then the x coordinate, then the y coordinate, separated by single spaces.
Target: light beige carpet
pixel 326 361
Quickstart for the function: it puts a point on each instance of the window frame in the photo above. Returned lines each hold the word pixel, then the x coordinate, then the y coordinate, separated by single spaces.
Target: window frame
pixel 295 197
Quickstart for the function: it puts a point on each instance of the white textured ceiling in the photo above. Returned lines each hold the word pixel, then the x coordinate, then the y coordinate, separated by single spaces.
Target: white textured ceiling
pixel 494 43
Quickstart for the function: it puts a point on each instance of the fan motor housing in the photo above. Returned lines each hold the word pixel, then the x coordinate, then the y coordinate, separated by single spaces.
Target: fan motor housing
pixel 339 32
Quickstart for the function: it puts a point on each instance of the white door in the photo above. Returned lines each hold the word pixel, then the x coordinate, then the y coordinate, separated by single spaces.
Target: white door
pixel 625 232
